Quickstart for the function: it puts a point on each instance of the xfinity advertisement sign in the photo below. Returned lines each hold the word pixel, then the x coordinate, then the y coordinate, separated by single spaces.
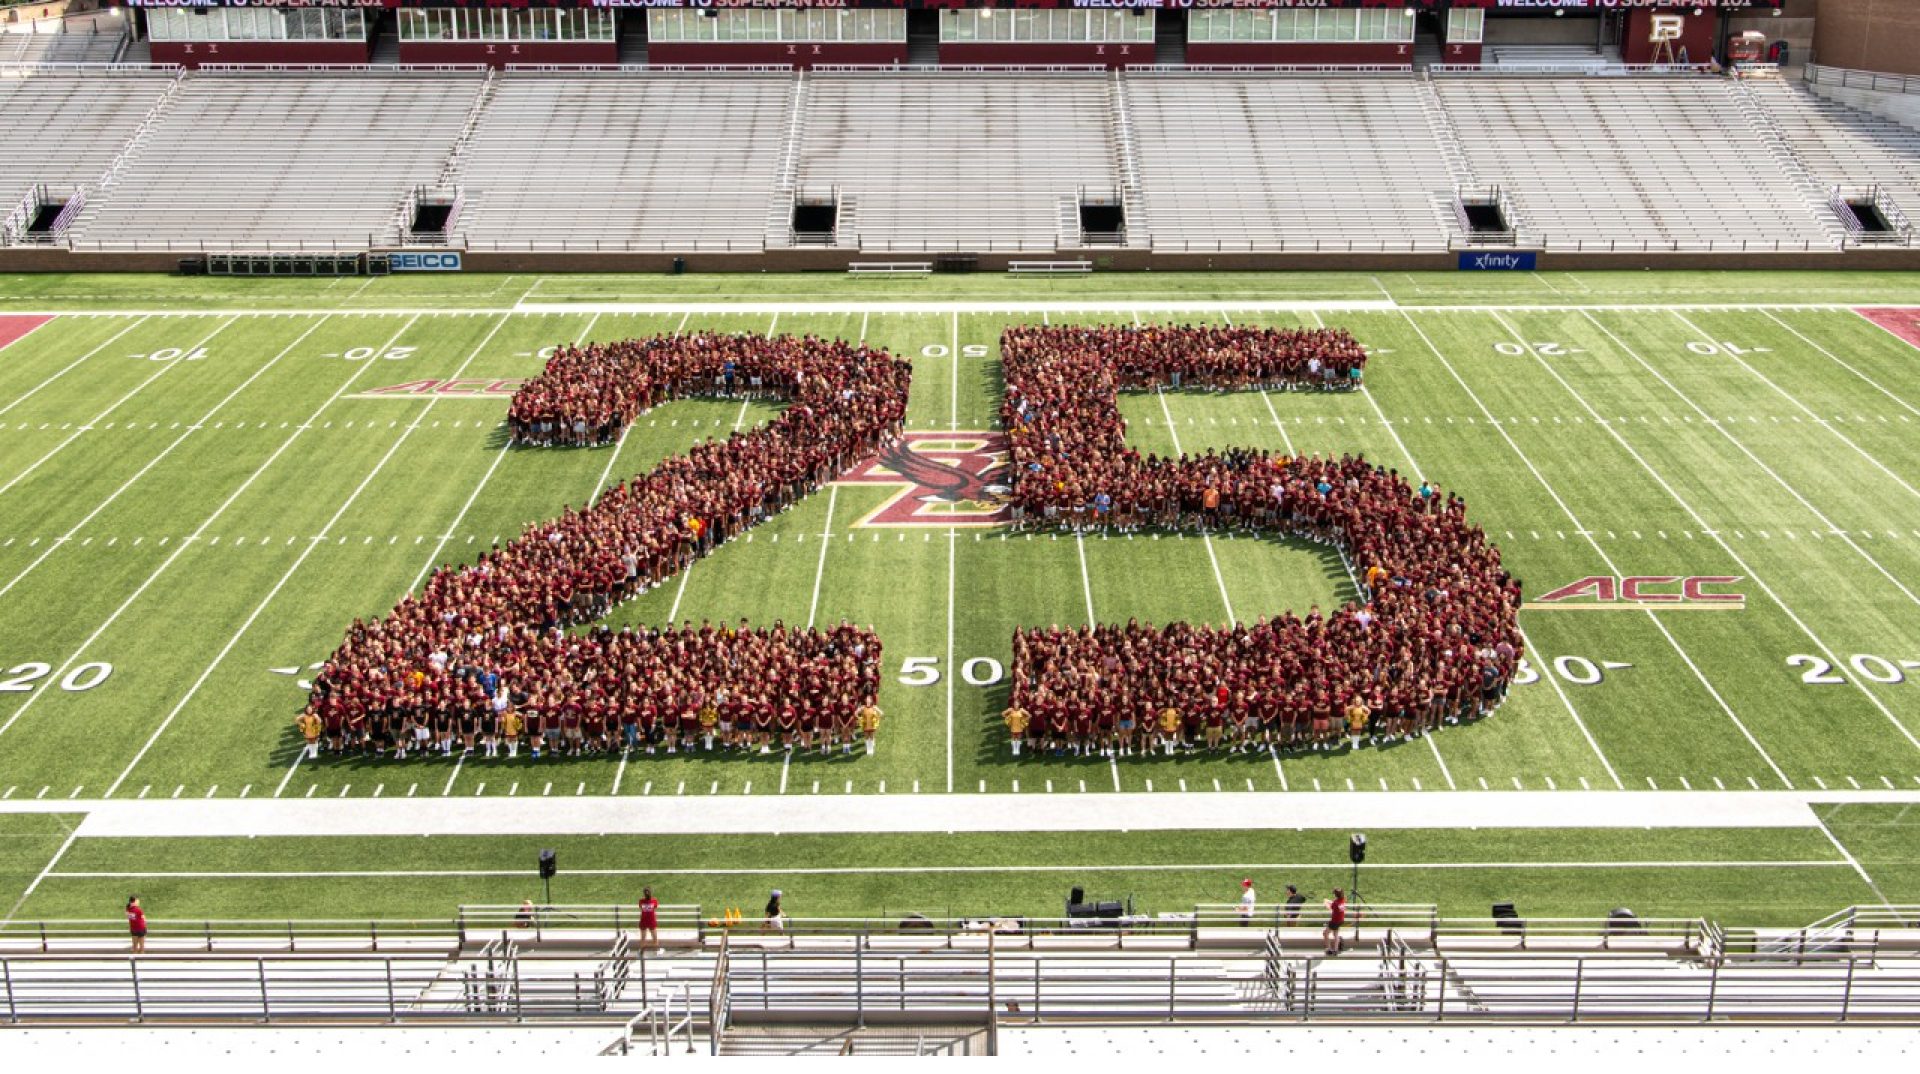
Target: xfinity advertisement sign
pixel 1503 261
pixel 423 261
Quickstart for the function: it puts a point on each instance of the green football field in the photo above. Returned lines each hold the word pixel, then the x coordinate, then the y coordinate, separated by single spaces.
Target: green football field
pixel 202 482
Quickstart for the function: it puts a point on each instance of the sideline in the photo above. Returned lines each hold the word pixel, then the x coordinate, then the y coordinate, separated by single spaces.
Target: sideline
pixel 843 814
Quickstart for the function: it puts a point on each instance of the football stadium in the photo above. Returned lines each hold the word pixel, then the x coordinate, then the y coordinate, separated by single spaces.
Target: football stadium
pixel 1020 527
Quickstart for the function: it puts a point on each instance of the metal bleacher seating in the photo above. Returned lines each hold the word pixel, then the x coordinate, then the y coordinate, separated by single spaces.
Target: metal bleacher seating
pixel 81 46
pixel 929 161
pixel 1287 162
pixel 1655 162
pixel 264 160
pixel 624 160
pixel 1845 146
pixel 64 127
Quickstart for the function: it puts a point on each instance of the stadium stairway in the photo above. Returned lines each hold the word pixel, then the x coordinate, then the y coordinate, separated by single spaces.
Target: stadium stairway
pixel 1767 128
pixel 821 1040
pixel 1843 145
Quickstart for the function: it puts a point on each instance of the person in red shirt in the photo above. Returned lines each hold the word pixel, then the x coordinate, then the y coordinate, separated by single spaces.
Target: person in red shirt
pixel 1336 917
pixel 649 919
pixel 137 924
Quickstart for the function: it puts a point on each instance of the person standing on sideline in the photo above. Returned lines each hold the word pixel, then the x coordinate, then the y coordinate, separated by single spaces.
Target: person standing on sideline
pixel 137 924
pixel 1336 917
pixel 776 919
pixel 649 919
pixel 1248 900
pixel 1294 901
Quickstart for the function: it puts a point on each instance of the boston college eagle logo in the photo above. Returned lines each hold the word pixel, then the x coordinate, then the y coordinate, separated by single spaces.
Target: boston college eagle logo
pixel 943 479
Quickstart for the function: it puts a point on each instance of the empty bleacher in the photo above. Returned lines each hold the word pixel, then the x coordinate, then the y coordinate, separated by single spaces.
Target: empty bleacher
pixel 927 161
pixel 263 160
pixel 1287 162
pixel 624 160
pixel 79 46
pixel 64 127
pixel 1631 163
pixel 1845 146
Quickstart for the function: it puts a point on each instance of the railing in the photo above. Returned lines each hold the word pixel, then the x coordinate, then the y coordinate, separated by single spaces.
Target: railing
pixel 1822 75
pixel 14 227
pixel 1272 69
pixel 1843 201
pixel 1598 67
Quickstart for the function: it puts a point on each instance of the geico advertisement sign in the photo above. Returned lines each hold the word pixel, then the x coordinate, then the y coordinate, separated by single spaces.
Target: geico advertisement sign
pixel 423 261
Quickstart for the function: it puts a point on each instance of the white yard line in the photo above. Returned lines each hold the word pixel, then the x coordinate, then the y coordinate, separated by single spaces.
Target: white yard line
pixel 1581 528
pixel 673 613
pixel 954 421
pixel 1086 581
pixel 70 366
pixel 1909 407
pixel 1558 690
pixel 1804 409
pixel 219 658
pixel 1722 541
pixel 1845 537
pixel 887 870
pixel 165 368
pixel 291 769
pixel 1205 538
pixel 157 459
pixel 1850 859
pixel 826 538
pixel 181 548
pixel 45 871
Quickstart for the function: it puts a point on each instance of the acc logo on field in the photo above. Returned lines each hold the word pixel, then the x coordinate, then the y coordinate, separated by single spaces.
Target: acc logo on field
pixel 423 261
pixel 1661 592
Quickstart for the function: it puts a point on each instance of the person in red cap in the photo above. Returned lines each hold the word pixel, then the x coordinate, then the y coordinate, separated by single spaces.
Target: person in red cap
pixel 1247 901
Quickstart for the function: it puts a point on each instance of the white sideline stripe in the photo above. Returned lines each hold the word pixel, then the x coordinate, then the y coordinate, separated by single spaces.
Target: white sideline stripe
pixel 181 548
pixel 1086 581
pixel 111 340
pixel 1910 408
pixel 1722 541
pixel 881 870
pixel 157 459
pixel 1831 427
pixel 994 812
pixel 111 407
pixel 982 306
pixel 1595 544
pixel 220 657
pixel 45 871
pixel 1206 538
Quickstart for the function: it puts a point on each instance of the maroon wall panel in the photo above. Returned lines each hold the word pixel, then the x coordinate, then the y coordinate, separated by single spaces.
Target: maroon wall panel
pixel 1697 36
pixel 1013 53
pixel 795 53
pixel 1461 53
pixel 195 53
pixel 1309 53
pixel 502 53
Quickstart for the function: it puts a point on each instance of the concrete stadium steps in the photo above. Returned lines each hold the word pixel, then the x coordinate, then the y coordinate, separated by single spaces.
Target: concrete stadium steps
pixel 66 128
pixel 1266 162
pixel 952 161
pixel 624 160
pixel 280 160
pixel 1649 162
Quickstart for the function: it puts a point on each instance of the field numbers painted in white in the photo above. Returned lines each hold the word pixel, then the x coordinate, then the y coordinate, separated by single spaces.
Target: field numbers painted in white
pixel 925 671
pixel 168 354
pixel 363 354
pixel 1705 348
pixel 1544 348
pixel 920 671
pixel 21 677
pixel 1577 670
pixel 982 671
pixel 1821 671
pixel 941 350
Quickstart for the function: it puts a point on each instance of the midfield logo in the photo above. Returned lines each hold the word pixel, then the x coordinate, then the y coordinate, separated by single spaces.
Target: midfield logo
pixel 944 479
pixel 1657 592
